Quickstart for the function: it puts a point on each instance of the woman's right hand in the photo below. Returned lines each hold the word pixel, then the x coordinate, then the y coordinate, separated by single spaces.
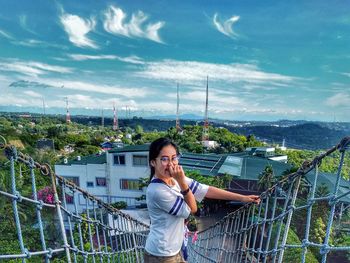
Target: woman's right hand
pixel 177 173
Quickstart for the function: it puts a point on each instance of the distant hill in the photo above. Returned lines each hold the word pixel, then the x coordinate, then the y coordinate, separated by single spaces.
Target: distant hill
pixel 310 136
pixel 298 134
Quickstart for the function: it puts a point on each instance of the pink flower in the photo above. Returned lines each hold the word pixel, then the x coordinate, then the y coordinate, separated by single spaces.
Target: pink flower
pixel 46 195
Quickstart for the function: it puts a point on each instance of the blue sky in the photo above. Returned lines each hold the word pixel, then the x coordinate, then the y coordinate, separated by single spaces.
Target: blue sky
pixel 266 60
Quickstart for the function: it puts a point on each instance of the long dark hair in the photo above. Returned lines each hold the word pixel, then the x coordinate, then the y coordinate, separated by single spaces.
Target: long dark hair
pixel 155 148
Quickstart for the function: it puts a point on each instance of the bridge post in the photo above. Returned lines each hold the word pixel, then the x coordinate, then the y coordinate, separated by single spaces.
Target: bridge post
pixel 289 219
pixel 59 212
pixel 333 203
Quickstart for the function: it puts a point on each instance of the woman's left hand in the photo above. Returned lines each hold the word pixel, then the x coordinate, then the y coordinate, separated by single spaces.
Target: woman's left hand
pixel 251 199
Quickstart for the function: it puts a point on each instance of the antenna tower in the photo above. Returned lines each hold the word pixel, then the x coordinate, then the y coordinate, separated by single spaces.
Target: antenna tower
pixel 115 118
pixel 67 112
pixel 178 127
pixel 102 118
pixel 205 135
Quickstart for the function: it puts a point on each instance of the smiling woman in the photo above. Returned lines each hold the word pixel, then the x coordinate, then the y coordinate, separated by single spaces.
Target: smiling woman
pixel 171 198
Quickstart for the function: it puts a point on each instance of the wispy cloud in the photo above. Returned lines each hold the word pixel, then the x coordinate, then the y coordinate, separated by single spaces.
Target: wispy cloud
pixel 24 25
pixel 38 43
pixel 193 72
pixel 130 59
pixel 31 68
pixel 339 99
pixel 77 29
pixel 136 27
pixel 30 84
pixel 226 26
pixel 5 34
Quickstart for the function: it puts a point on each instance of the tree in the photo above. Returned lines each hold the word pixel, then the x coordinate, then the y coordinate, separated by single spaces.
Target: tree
pixel 266 178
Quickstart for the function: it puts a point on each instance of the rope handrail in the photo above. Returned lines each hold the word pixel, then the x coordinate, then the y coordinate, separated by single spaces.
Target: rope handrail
pixel 259 233
pixel 100 233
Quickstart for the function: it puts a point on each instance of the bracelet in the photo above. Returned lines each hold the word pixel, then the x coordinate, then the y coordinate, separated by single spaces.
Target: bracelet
pixel 185 192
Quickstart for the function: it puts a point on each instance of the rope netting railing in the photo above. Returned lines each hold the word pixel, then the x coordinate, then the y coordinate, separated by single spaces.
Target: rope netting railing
pixel 46 226
pixel 287 224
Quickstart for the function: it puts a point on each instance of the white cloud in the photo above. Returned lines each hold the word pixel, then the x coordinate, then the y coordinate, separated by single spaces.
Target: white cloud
pixel 220 98
pixel 194 72
pixel 98 88
pixel 346 74
pixel 81 57
pixel 77 29
pixel 91 102
pixel 15 100
pixel 130 59
pixel 339 99
pixel 115 23
pixel 32 68
pixel 226 26
pixel 31 93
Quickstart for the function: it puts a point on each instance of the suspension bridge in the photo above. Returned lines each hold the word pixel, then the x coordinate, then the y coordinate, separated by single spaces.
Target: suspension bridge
pixel 253 233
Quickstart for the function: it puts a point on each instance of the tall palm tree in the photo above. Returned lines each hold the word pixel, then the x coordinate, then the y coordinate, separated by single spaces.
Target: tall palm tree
pixel 266 178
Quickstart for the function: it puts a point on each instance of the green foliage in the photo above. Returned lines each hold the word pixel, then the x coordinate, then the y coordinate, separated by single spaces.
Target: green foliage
pixel 119 205
pixel 266 178
pixel 329 164
pixel 192 223
pixel 318 232
pixel 291 254
pixel 217 181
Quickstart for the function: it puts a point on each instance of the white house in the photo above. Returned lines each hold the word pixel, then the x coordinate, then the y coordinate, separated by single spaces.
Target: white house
pixel 112 176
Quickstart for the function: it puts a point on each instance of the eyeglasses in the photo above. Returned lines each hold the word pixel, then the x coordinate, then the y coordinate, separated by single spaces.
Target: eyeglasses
pixel 165 159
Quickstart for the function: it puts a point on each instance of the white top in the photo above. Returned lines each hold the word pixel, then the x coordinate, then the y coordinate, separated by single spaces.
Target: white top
pixel 167 210
pixel 186 233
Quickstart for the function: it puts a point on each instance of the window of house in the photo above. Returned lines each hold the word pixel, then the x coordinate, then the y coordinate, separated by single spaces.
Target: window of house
pixel 140 160
pixel 119 159
pixel 90 184
pixel 101 181
pixel 73 179
pixel 127 184
pixel 69 199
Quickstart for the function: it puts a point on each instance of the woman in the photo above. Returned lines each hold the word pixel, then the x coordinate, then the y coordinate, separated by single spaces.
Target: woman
pixel 171 197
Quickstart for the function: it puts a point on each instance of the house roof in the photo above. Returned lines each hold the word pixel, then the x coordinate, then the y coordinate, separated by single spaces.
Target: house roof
pixel 205 164
pixel 89 159
pixel 329 180
pixel 240 165
pixel 131 148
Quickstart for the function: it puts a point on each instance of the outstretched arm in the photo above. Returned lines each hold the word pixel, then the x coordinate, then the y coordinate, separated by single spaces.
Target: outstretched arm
pixel 216 193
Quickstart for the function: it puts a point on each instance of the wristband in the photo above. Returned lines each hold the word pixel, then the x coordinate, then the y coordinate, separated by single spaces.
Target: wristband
pixel 185 192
